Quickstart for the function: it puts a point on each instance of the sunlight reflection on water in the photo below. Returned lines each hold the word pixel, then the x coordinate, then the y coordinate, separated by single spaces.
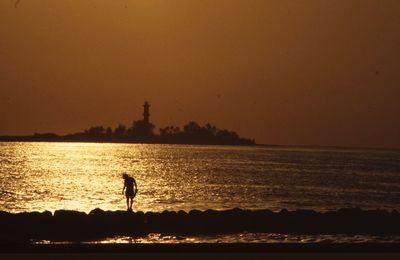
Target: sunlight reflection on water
pixel 238 238
pixel 84 176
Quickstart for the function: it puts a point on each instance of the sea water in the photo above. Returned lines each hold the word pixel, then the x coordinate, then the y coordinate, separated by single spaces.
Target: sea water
pixel 39 176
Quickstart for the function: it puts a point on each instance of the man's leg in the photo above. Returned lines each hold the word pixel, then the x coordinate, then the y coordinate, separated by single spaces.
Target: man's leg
pixel 127 202
pixel 131 203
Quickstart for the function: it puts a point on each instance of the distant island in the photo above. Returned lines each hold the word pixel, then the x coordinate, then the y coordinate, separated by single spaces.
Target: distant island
pixel 142 131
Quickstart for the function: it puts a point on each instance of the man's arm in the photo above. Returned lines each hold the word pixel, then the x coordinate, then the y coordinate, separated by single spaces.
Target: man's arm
pixel 135 185
pixel 123 188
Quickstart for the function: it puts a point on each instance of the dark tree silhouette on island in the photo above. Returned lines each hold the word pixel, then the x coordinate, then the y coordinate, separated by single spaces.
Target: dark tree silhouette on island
pixel 142 131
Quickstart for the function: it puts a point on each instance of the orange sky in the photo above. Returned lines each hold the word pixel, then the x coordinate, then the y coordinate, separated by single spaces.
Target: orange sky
pixel 315 72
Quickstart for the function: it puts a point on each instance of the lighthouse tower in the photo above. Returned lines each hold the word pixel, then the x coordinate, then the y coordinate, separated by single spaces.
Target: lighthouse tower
pixel 146 112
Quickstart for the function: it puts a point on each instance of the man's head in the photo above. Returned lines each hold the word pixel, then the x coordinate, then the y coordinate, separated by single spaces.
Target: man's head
pixel 124 175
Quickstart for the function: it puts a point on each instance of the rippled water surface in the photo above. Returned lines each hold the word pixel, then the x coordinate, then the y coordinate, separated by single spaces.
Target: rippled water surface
pixel 238 238
pixel 83 176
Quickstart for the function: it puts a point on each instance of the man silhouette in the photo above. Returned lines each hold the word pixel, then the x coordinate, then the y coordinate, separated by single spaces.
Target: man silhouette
pixel 131 190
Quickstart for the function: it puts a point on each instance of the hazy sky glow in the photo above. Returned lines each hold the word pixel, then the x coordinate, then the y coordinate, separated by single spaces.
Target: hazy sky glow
pixel 316 72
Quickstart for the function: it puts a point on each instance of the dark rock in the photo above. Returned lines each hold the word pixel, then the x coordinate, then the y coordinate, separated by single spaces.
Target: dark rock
pixel 73 225
pixel 47 214
pixel 305 212
pixel 283 211
pixel 70 214
pixel 97 211
pixel 195 212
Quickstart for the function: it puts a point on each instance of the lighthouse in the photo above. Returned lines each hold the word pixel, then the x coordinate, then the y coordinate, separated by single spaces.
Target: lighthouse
pixel 143 129
pixel 146 112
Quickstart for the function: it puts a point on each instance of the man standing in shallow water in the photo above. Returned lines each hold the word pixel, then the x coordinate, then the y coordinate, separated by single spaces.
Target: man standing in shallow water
pixel 131 190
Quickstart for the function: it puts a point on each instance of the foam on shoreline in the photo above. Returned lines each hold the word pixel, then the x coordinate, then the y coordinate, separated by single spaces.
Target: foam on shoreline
pixel 74 225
